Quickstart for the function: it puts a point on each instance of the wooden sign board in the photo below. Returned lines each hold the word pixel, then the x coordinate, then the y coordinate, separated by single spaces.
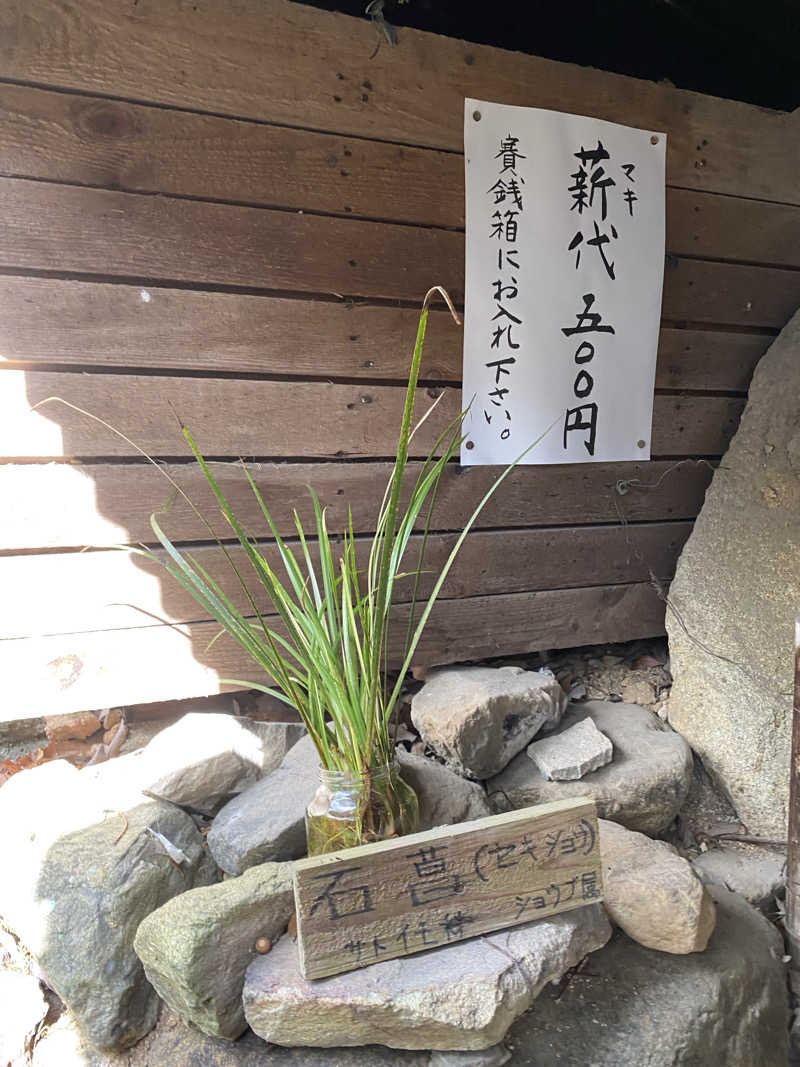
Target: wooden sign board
pixel 394 898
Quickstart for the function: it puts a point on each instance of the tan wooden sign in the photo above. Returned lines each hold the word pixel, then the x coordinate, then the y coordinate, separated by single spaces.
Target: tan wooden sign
pixel 394 898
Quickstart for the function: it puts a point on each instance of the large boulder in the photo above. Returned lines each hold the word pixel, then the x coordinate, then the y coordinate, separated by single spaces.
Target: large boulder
pixel 643 787
pixel 652 893
pixel 196 947
pixel 479 718
pixel 461 996
pixel 82 876
pixel 634 1007
pixel 735 598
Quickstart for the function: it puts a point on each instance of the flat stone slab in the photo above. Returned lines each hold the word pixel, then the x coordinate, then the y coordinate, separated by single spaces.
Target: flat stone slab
pixel 631 1006
pixel 571 753
pixel 196 947
pixel 463 996
pixel 643 787
pixel 478 718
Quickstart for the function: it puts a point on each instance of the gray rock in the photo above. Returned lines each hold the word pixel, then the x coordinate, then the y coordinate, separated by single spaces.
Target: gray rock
pixel 479 718
pixel 571 753
pixel 652 893
pixel 488 1057
pixel 643 787
pixel 196 947
pixel 22 1008
pixel 737 589
pixel 633 1007
pixel 83 879
pixel 267 821
pixel 206 757
pixel 171 1044
pixel 461 996
pixel 444 797
pixel 757 873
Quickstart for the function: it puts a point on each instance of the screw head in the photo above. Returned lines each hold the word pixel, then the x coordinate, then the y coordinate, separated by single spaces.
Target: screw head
pixel 641 444
pixel 654 139
pixel 470 445
pixel 476 115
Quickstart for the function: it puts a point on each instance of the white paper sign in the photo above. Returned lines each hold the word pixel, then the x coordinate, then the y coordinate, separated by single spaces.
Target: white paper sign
pixel 565 264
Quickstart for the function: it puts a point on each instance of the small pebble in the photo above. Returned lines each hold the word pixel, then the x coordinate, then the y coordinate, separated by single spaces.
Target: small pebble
pixel 263 945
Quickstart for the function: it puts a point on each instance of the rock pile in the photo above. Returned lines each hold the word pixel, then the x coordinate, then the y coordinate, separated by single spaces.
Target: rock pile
pixel 119 902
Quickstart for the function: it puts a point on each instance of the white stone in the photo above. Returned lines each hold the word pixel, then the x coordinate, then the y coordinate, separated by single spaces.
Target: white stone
pixel 462 996
pixel 479 718
pixel 571 753
pixel 22 1008
pixel 201 760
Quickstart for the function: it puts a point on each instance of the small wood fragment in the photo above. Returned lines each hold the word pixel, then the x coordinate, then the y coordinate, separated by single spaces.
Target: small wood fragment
pixel 394 898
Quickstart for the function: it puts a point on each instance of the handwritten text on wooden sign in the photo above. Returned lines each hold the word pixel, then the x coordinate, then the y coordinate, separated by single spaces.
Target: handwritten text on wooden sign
pixel 393 898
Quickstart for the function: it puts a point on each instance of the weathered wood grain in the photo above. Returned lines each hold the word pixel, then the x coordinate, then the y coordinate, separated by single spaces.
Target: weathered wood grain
pixel 100 232
pixel 393 898
pixel 79 671
pixel 49 320
pixel 118 145
pixel 230 417
pixel 59 505
pixel 113 590
pixel 286 63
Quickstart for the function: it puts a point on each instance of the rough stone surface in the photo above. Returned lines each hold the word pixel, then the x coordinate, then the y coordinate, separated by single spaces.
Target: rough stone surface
pixel 84 877
pixel 489 1057
pixel 196 947
pixel 571 753
pixel 171 1044
pixel 642 788
pixel 461 996
pixel 737 589
pixel 22 1008
pixel 757 873
pixel 444 797
pixel 652 893
pixel 633 1007
pixel 204 758
pixel 267 821
pixel 479 718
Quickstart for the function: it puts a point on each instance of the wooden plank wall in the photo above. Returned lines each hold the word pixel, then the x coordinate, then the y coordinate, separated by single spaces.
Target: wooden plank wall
pixel 228 212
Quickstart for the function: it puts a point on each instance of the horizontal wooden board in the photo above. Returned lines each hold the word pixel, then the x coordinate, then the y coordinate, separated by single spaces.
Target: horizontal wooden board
pixel 94 231
pixel 391 898
pixel 48 320
pixel 118 145
pixel 59 505
pixel 230 417
pixel 58 674
pixel 112 590
pixel 282 62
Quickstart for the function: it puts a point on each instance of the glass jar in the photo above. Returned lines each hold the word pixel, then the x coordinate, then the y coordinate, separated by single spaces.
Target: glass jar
pixel 349 809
